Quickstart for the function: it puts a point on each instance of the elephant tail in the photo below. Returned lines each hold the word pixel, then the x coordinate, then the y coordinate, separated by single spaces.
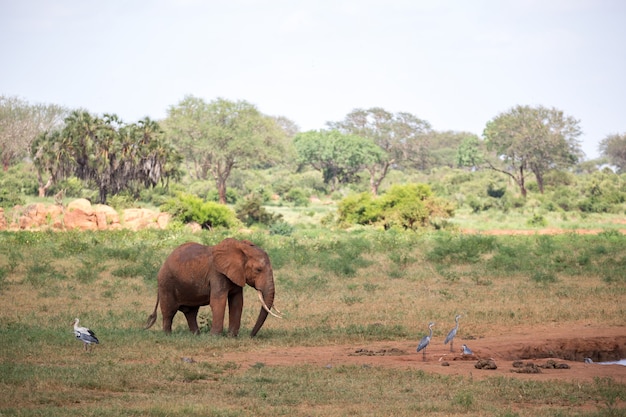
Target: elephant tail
pixel 152 317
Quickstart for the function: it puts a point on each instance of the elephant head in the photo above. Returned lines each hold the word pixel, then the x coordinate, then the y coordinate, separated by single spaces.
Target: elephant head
pixel 245 263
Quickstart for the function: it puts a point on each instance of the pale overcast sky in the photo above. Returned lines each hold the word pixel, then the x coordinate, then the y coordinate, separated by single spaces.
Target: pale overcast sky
pixel 455 63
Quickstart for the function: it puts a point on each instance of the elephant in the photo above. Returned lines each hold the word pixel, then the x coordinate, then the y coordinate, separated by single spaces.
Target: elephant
pixel 195 275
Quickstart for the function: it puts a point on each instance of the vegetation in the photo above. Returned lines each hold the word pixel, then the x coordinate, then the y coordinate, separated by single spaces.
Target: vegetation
pixel 613 147
pixel 401 137
pixel 339 157
pixel 410 206
pixel 371 213
pixel 534 139
pixel 222 135
pixel 20 123
pixel 334 289
pixel 106 153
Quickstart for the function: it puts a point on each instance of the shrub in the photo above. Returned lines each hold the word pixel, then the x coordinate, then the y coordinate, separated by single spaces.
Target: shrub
pixel 358 209
pixel 190 208
pixel 251 211
pixel 494 191
pixel 281 228
pixel 231 196
pixel 537 221
pixel 298 197
pixel 408 206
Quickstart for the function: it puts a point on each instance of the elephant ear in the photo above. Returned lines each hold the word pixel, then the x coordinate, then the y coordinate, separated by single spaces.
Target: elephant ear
pixel 230 260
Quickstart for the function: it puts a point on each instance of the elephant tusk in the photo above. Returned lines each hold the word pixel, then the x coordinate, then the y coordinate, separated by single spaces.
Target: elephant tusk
pixel 265 307
pixel 277 310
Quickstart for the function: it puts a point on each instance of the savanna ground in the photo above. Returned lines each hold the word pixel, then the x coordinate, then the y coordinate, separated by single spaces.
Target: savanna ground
pixel 355 305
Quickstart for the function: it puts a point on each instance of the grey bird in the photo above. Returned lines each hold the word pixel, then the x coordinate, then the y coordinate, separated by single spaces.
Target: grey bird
pixel 588 360
pixel 452 334
pixel 425 341
pixel 466 351
pixel 85 335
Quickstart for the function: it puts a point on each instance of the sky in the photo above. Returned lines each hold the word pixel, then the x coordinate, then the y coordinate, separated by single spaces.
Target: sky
pixel 454 63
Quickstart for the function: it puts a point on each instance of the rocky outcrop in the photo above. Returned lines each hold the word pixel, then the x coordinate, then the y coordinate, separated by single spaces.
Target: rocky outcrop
pixel 81 215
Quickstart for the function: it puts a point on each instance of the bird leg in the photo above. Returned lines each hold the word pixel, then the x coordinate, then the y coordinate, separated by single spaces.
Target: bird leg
pixel 424 355
pixel 451 344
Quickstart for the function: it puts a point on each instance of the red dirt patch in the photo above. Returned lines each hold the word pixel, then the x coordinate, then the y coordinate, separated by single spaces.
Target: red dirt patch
pixel 536 345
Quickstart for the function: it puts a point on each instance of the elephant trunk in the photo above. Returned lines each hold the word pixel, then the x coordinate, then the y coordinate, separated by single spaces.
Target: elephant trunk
pixel 267 300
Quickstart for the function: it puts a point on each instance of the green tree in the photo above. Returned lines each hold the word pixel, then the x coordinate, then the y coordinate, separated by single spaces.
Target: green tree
pixel 222 135
pixel 469 153
pixel 533 139
pixel 105 152
pixel 613 148
pixel 338 156
pixel 402 137
pixel 20 123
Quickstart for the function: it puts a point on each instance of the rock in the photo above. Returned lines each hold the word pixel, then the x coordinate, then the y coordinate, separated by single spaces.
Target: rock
pixel 525 368
pixel 81 204
pixel 486 364
pixel 80 214
pixel 81 220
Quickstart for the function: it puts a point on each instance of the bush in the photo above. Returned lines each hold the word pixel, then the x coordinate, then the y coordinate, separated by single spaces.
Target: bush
pixel 231 196
pixel 251 211
pixel 494 191
pixel 298 197
pixel 358 209
pixel 537 221
pixel 281 228
pixel 190 208
pixel 408 206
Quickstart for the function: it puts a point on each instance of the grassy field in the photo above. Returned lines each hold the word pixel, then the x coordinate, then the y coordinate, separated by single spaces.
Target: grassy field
pixel 333 287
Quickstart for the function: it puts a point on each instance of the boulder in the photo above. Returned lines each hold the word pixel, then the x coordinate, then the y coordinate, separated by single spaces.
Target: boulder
pixel 81 220
pixel 82 215
pixel 81 204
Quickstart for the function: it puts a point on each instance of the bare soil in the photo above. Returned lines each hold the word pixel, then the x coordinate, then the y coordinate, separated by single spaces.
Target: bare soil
pixel 548 345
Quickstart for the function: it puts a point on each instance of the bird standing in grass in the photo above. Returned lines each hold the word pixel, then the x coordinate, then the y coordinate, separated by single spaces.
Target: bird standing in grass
pixel 85 335
pixel 450 336
pixel 425 341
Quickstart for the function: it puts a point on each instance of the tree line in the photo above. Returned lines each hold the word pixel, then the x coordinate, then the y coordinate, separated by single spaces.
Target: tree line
pixel 209 140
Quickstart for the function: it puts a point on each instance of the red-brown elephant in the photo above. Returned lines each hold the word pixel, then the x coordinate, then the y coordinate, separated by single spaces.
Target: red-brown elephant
pixel 195 275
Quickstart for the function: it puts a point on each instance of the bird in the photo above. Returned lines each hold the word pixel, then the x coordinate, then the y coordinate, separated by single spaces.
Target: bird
pixel 450 336
pixel 588 360
pixel 85 335
pixel 425 341
pixel 466 351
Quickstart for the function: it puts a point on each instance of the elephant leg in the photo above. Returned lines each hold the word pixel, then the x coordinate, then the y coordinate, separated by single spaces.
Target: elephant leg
pixel 218 308
pixel 235 307
pixel 168 317
pixel 191 314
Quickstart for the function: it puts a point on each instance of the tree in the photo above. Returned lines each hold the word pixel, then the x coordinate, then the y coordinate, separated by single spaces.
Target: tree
pixel 401 136
pixel 221 135
pixel 338 156
pixel 469 154
pixel 443 147
pixel 535 139
pixel 613 148
pixel 20 123
pixel 105 152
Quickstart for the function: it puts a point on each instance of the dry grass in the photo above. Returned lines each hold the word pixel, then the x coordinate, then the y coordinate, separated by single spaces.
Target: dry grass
pixel 43 370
